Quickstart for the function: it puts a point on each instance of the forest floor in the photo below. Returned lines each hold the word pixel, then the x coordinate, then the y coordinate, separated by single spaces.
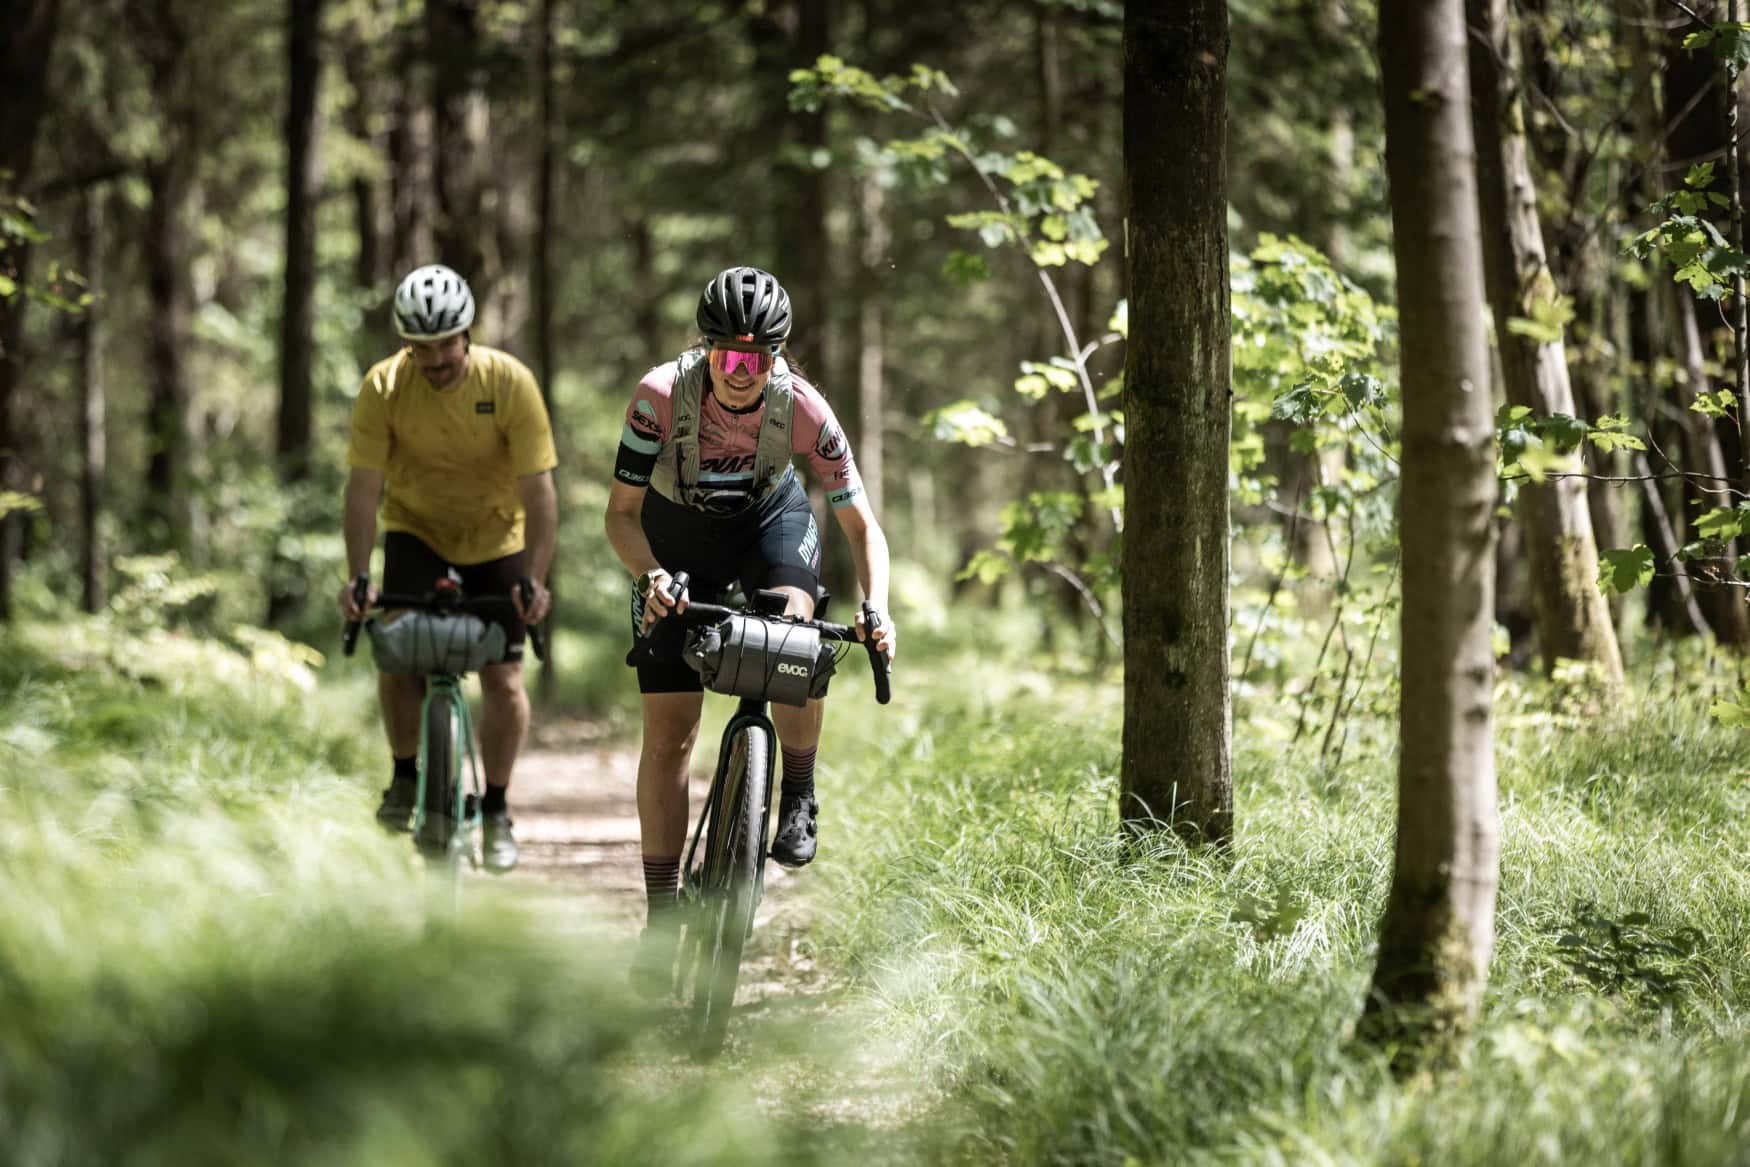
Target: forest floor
pixel 573 801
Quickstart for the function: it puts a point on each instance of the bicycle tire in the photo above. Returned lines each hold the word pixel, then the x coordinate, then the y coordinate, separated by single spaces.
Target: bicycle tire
pixel 441 774
pixel 735 849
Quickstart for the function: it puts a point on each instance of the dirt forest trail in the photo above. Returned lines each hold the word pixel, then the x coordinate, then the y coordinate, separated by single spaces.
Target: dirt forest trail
pixel 574 803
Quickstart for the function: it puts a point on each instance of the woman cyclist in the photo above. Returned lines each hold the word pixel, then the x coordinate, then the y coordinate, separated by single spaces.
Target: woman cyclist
pixel 704 484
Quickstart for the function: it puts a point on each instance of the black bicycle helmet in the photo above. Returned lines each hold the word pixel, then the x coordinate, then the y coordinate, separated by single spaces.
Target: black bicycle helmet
pixel 745 304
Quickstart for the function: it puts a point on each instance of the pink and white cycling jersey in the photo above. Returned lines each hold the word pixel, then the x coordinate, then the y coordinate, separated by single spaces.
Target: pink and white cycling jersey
pixel 729 440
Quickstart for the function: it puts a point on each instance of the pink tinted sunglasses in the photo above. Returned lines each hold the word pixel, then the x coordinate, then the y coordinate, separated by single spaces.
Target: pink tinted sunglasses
pixel 728 360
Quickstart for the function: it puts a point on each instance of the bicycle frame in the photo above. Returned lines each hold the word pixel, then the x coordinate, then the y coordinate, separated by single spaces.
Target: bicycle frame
pixel 462 742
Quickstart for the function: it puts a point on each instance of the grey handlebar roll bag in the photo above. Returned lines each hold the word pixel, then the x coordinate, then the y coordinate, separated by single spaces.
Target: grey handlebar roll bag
pixel 426 642
pixel 744 656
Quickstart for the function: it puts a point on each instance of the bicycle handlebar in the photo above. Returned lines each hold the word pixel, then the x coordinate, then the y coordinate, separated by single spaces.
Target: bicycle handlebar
pixel 698 615
pixel 440 602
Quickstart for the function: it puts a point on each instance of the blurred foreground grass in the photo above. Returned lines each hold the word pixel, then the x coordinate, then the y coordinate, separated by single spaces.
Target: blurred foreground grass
pixel 210 954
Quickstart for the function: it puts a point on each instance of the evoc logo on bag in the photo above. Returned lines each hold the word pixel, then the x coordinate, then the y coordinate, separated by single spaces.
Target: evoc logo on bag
pixel 793 670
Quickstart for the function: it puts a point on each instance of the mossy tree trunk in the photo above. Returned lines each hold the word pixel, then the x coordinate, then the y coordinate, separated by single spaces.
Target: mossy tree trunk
pixel 1571 615
pixel 1439 924
pixel 1178 717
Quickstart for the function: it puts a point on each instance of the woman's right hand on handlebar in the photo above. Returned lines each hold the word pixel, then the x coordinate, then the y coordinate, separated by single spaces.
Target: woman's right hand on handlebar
pixel 350 608
pixel 660 597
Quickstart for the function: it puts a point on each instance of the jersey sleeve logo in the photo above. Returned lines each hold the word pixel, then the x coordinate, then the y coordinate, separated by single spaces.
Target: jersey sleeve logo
pixel 830 445
pixel 643 421
pixel 484 406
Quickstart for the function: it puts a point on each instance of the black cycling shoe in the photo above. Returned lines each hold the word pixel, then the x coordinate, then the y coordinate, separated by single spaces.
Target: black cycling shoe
pixel 793 846
pixel 397 806
pixel 652 970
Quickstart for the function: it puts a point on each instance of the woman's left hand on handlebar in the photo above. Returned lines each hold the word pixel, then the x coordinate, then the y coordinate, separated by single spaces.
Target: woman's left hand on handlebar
pixel 886 636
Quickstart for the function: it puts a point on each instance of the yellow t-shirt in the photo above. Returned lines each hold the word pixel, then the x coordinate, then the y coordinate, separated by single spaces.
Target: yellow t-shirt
pixel 451 458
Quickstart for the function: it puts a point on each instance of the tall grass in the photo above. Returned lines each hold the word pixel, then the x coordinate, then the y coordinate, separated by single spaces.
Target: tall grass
pixel 209 954
pixel 1080 1000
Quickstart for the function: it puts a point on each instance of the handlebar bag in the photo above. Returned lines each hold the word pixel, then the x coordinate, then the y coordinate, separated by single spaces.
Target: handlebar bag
pixel 429 642
pixel 770 660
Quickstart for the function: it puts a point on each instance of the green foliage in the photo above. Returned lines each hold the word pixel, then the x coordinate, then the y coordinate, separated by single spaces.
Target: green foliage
pixel 1042 208
pixel 1720 404
pixel 1046 212
pixel 1727 40
pixel 967 423
pixel 1624 569
pixel 1698 253
pixel 1081 998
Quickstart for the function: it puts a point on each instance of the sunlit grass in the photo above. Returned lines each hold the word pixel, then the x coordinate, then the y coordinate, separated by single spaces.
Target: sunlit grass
pixel 1086 1001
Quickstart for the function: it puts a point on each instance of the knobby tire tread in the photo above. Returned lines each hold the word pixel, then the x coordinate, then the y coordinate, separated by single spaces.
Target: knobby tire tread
pixel 732 885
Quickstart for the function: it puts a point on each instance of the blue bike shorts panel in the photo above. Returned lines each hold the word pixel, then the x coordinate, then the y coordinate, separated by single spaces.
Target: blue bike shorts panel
pixel 774 544
pixel 410 567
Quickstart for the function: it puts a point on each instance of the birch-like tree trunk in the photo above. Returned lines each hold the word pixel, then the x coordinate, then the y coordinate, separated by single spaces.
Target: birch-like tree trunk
pixel 1572 616
pixel 1439 924
pixel 1178 716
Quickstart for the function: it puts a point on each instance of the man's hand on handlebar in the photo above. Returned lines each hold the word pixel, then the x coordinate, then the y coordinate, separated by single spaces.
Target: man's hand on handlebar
pixel 353 601
pixel 886 635
pixel 539 602
pixel 661 597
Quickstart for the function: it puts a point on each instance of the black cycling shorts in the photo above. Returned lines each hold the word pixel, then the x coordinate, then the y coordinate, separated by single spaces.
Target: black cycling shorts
pixel 411 567
pixel 773 544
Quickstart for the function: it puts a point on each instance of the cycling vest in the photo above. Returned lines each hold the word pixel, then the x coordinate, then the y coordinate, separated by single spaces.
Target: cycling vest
pixel 676 474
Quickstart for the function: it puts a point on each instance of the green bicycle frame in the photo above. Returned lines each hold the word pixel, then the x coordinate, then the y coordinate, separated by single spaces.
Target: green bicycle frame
pixel 462 743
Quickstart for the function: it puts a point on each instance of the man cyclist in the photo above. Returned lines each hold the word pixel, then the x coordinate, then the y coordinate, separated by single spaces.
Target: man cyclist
pixel 704 484
pixel 453 439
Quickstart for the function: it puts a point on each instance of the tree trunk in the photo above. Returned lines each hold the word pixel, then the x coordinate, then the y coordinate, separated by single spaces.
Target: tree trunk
pixel 1178 717
pixel 88 343
pixel 1572 617
pixel 302 176
pixel 1439 924
pixel 410 160
pixel 459 134
pixel 292 438
pixel 167 332
pixel 873 244
pixel 540 261
pixel 24 58
pixel 359 62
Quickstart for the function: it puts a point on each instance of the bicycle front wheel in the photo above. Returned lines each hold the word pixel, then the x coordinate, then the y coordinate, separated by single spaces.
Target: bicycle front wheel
pixel 440 772
pixel 735 847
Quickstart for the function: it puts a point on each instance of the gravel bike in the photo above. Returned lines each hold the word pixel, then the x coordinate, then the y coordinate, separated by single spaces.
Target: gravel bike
pixel 758 654
pixel 444 636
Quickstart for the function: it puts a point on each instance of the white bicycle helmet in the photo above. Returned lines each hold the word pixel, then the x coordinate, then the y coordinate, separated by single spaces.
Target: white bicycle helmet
pixel 432 303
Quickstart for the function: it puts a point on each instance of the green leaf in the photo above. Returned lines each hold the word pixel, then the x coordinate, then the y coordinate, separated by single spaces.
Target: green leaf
pixel 1723 522
pixel 986 567
pixel 1624 569
pixel 8 287
pixel 965 268
pixel 1564 432
pixel 1610 441
pixel 967 423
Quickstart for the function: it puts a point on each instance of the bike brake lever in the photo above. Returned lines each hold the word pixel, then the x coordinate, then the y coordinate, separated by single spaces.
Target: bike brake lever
pixel 878 662
pixel 361 594
pixel 537 639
